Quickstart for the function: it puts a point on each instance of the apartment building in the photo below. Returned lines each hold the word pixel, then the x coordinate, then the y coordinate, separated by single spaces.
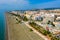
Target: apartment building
pixel 28 14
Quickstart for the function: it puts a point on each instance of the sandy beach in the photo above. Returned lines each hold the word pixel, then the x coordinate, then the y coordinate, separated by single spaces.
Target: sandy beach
pixel 6 28
pixel 19 31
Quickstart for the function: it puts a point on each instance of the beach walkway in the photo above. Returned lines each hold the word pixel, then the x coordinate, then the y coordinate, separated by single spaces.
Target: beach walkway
pixel 44 37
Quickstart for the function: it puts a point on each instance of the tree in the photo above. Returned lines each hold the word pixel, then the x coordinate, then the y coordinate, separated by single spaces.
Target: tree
pixel 45 32
pixel 41 19
pixel 31 30
pixel 25 18
pixel 48 22
pixel 52 24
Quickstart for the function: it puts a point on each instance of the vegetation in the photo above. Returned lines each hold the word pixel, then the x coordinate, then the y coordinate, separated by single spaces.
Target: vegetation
pixel 39 28
pixel 25 18
pixel 54 38
pixel 52 24
pixel 18 21
pixel 41 19
pixel 31 30
pixel 49 22
pixel 43 31
pixel 16 15
pixel 19 17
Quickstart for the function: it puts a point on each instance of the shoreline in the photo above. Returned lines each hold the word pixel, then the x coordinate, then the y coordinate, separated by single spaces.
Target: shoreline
pixel 21 32
pixel 6 27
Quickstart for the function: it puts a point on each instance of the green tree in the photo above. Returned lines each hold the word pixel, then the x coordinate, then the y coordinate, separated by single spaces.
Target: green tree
pixel 25 18
pixel 31 30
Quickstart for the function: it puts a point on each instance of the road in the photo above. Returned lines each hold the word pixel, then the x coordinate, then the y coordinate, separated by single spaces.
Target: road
pixel 41 35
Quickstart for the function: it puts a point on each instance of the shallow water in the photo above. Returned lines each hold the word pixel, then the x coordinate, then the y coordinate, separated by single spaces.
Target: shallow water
pixel 2 21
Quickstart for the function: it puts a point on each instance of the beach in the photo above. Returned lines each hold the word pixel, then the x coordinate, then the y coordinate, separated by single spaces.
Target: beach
pixel 18 31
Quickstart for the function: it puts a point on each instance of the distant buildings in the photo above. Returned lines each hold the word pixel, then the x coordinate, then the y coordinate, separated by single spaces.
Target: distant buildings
pixel 28 14
pixel 45 16
pixel 14 12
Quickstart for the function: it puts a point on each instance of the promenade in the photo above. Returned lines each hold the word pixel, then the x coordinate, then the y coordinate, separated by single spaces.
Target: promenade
pixel 44 37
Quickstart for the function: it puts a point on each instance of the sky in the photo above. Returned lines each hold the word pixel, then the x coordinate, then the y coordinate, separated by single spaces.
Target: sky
pixel 29 4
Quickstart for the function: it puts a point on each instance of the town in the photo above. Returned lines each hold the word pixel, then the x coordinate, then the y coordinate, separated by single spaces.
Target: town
pixel 46 22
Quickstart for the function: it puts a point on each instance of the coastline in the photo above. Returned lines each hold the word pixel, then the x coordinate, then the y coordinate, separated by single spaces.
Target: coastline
pixel 18 31
pixel 6 27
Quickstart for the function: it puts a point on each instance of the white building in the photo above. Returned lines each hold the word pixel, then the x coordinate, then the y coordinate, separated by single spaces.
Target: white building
pixel 30 13
pixel 36 17
pixel 14 12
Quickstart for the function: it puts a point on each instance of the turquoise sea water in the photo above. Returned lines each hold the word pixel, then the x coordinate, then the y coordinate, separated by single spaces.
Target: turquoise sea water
pixel 2 21
pixel 2 26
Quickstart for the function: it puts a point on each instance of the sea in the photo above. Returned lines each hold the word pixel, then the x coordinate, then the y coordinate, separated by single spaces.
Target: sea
pixel 4 8
pixel 3 20
pixel 2 25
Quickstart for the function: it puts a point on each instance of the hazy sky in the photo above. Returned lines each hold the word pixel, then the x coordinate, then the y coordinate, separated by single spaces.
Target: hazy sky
pixel 29 4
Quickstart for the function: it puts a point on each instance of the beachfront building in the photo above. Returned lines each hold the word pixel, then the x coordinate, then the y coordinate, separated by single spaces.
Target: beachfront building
pixel 37 17
pixel 57 17
pixel 28 14
pixel 48 17
pixel 14 12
